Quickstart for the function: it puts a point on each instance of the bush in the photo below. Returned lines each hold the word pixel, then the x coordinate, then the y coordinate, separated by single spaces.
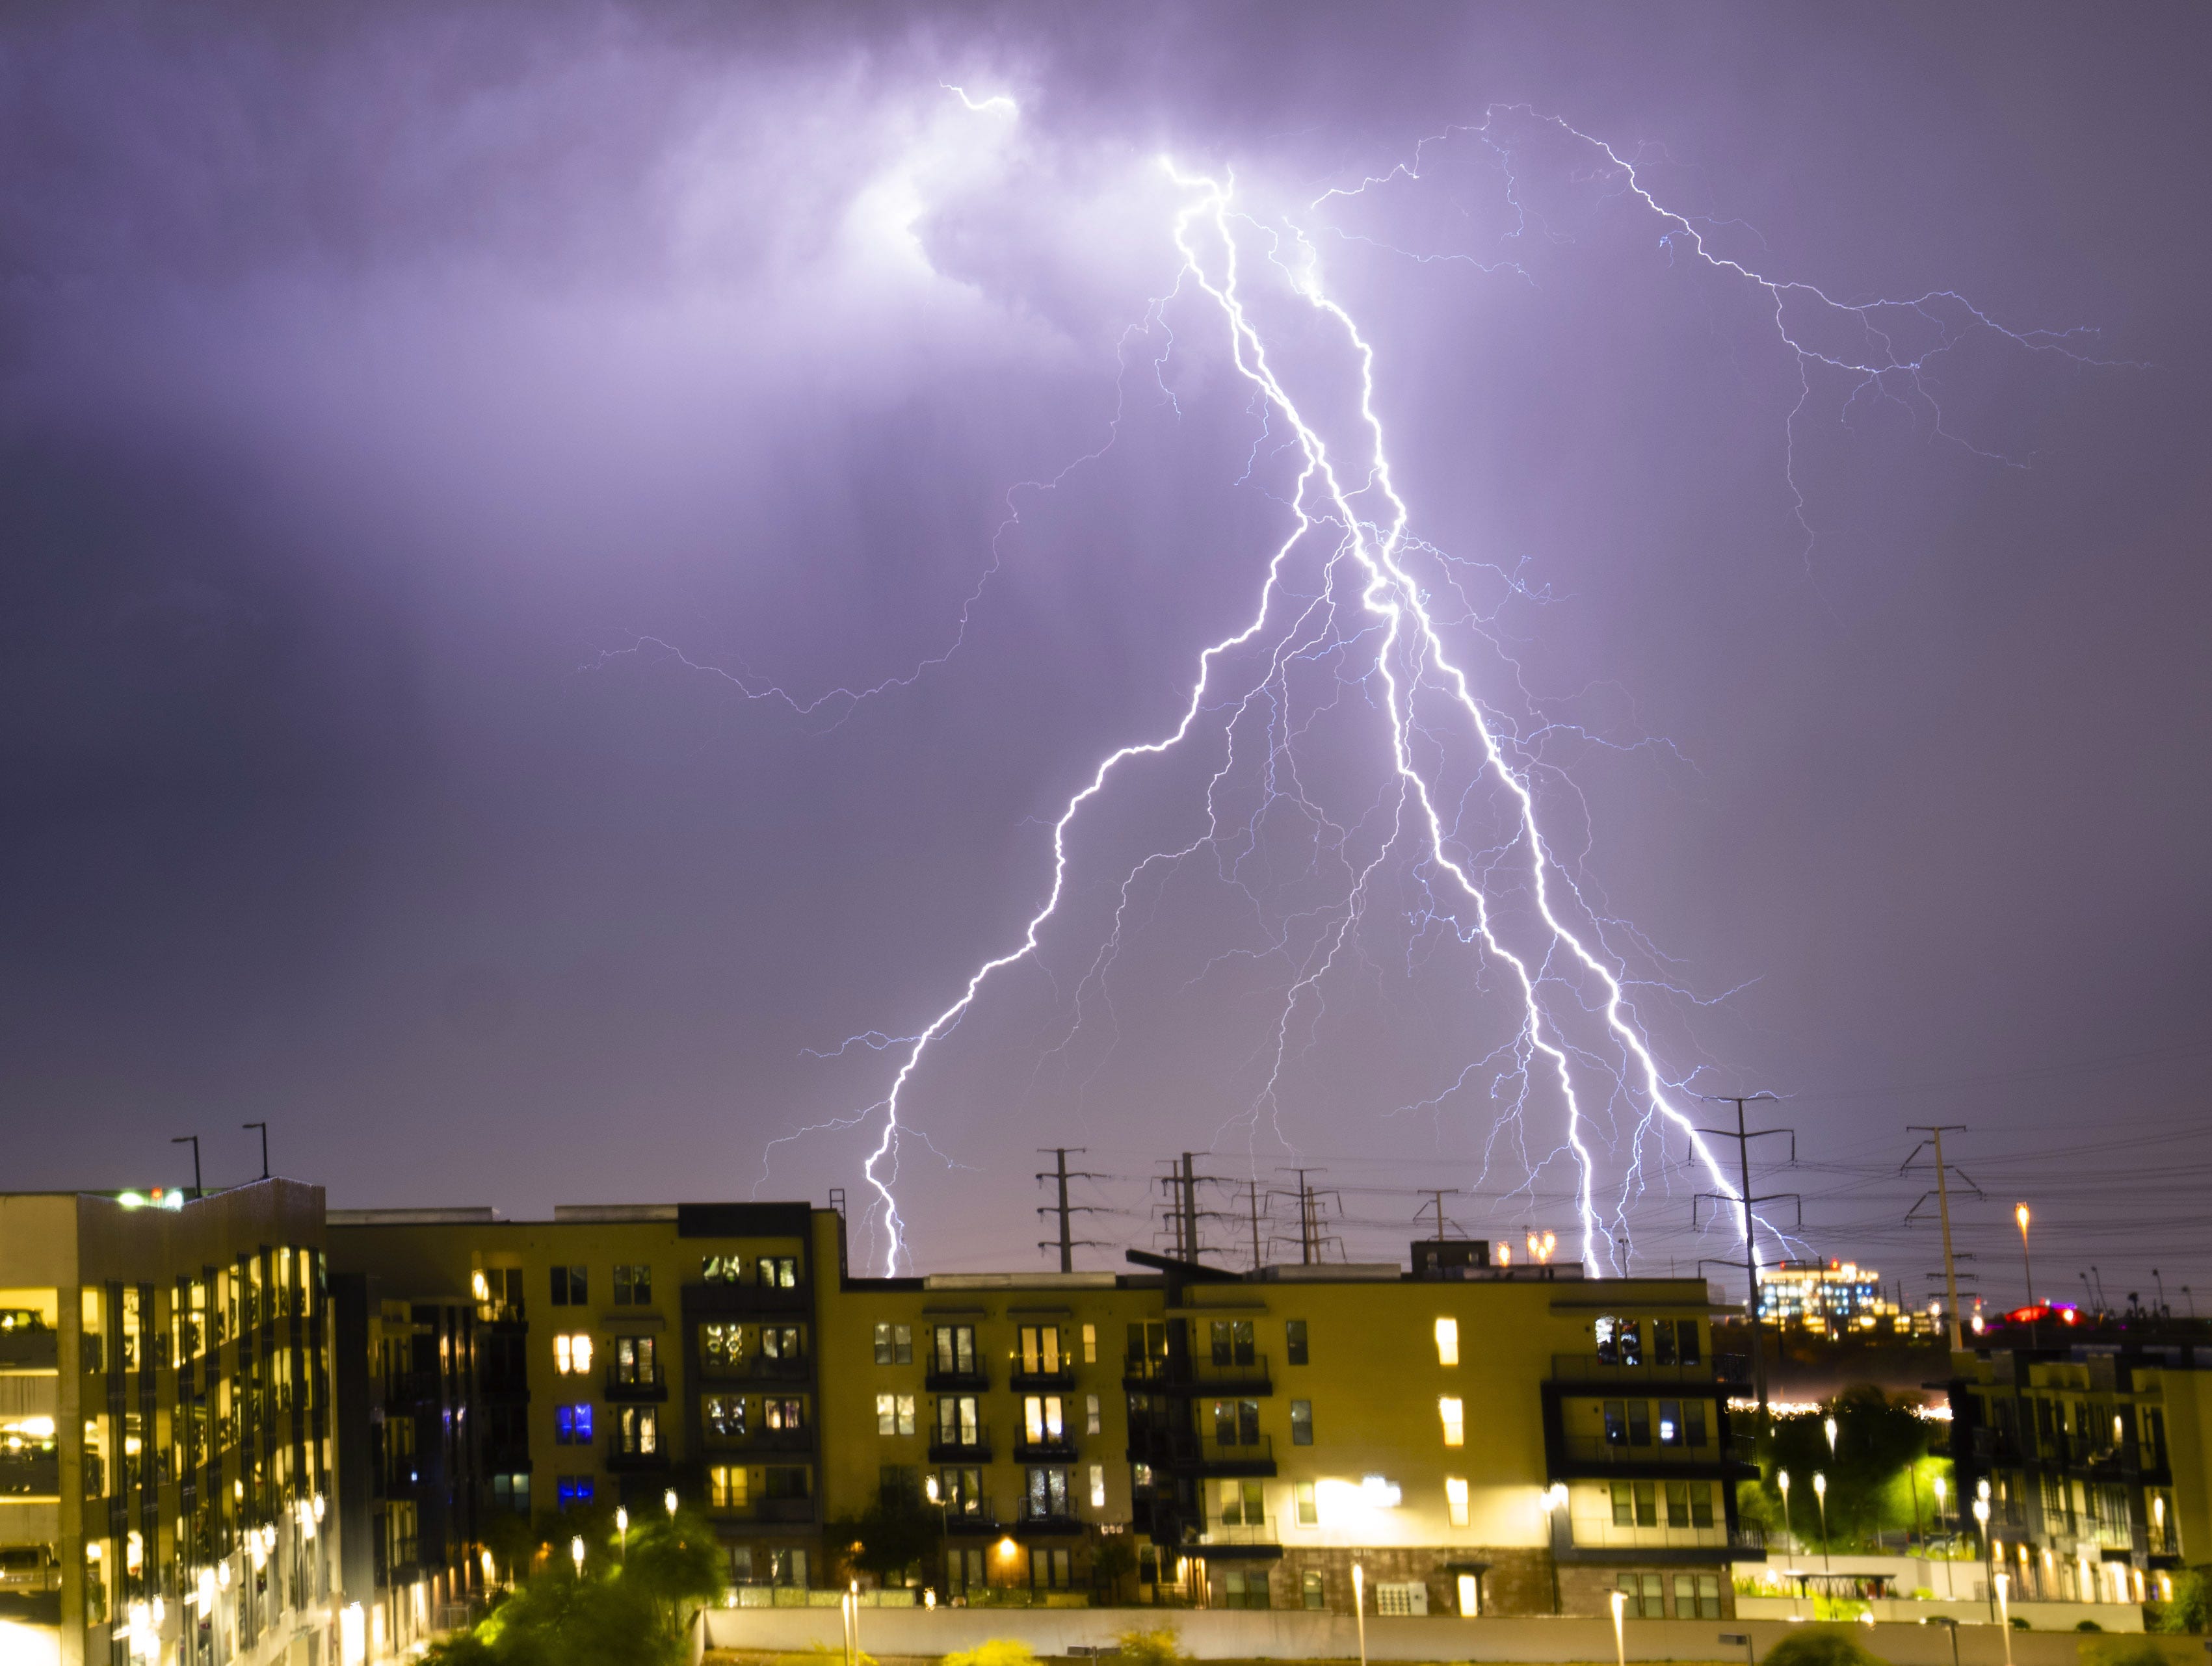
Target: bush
pixel 1155 1648
pixel 1820 1645
pixel 2140 1653
pixel 2088 1626
pixel 2191 1610
pixel 997 1652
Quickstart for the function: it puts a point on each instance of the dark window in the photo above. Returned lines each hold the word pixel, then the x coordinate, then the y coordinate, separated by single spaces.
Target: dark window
pixel 1244 1588
pixel 571 1287
pixel 1694 1423
pixel 1640 1422
pixel 633 1286
pixel 1232 1342
pixel 1624 1504
pixel 1678 1503
pixel 1686 1340
pixel 787 1483
pixel 1311 1588
pixel 512 1491
pixel 1294 1341
pixel 898 1486
pixel 1616 1423
pixel 1663 1342
pixel 1701 1506
pixel 1647 1502
pixel 1302 1422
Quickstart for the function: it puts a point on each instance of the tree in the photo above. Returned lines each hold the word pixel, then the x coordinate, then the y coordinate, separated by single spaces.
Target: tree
pixel 888 1537
pixel 1879 1444
pixel 1112 1562
pixel 678 1565
pixel 559 1620
pixel 1820 1645
pixel 2191 1610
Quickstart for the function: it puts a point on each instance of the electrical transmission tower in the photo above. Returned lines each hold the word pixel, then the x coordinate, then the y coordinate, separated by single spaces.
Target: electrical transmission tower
pixel 1942 1196
pixel 1743 1136
pixel 1066 1243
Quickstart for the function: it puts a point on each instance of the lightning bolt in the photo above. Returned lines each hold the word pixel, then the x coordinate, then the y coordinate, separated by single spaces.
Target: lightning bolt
pixel 1371 612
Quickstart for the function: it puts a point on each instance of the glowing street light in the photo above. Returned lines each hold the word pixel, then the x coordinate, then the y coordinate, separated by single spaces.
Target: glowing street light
pixel 1619 1602
pixel 1359 1596
pixel 668 1499
pixel 1781 1479
pixel 2004 1585
pixel 622 1536
pixel 1943 1488
pixel 576 1554
pixel 1829 1426
pixel 1821 1491
pixel 2026 1266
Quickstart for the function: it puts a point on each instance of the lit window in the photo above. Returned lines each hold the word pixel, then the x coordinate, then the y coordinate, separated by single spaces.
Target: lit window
pixel 886 1414
pixel 1091 1348
pixel 1448 1407
pixel 1447 1341
pixel 726 1489
pixel 1091 1414
pixel 894 1344
pixel 1098 1487
pixel 1455 1497
pixel 560 1360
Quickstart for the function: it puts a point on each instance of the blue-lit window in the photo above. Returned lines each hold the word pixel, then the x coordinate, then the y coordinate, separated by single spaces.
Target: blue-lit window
pixel 575 1490
pixel 572 1425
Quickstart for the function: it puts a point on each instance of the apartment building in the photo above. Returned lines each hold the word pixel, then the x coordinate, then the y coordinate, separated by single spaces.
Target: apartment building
pixel 2093 1457
pixel 166 1458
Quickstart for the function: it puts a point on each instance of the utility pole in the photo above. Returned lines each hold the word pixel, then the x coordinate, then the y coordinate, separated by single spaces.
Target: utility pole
pixel 1065 1210
pixel 1253 1188
pixel 1943 1209
pixel 1743 1136
pixel 1189 1215
pixel 1439 1196
pixel 1307 1225
pixel 193 1140
pixel 263 1127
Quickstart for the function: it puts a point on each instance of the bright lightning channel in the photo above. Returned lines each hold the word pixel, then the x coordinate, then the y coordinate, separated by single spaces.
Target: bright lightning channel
pixel 1408 655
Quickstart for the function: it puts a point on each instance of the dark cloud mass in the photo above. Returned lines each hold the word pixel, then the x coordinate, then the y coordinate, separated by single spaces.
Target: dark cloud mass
pixel 430 437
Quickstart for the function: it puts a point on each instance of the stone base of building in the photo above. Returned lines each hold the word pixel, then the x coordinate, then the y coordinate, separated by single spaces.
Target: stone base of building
pixel 1518 1580
pixel 1587 1588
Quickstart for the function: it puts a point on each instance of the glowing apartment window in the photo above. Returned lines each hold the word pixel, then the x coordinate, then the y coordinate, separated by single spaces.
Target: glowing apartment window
pixel 1090 1344
pixel 1456 1499
pixel 572 1355
pixel 1454 1414
pixel 1447 1341
pixel 1098 1487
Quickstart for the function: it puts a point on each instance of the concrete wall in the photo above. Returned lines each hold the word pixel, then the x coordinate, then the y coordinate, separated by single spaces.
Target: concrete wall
pixel 1217 1635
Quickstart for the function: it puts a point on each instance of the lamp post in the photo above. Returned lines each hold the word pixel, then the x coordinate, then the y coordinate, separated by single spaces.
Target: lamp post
pixel 1781 1479
pixel 1941 1488
pixel 668 1499
pixel 622 1536
pixel 1619 1605
pixel 1982 1521
pixel 2026 1266
pixel 576 1554
pixel 2002 1583
pixel 1359 1607
pixel 1821 1491
pixel 1828 1427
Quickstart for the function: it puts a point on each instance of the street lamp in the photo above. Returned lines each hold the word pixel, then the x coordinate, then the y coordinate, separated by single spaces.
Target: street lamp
pixel 1821 1491
pixel 1619 1603
pixel 1982 1521
pixel 576 1554
pixel 668 1499
pixel 1941 1489
pixel 1359 1607
pixel 622 1536
pixel 2003 1583
pixel 2026 1266
pixel 1781 1479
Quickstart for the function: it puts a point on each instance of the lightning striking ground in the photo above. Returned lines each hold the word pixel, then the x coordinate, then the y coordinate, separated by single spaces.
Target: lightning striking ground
pixel 1449 755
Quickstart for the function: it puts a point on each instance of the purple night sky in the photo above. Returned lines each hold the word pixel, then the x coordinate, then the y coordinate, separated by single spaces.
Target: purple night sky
pixel 430 438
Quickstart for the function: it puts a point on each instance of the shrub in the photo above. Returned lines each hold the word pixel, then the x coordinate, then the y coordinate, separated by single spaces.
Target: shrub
pixel 2140 1653
pixel 2088 1626
pixel 1820 1645
pixel 996 1651
pixel 1155 1648
pixel 2191 1610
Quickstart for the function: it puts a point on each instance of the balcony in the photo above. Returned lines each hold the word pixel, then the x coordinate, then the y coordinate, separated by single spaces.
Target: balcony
pixel 635 1386
pixel 764 1510
pixel 1208 1455
pixel 720 1300
pixel 628 1462
pixel 960 1446
pixel 760 1368
pixel 973 1380
pixel 1588 1368
pixel 1199 1375
pixel 1047 1449
pixel 30 1347
pixel 1593 1452
pixel 1041 1381
pixel 31 1473
pixel 1044 1524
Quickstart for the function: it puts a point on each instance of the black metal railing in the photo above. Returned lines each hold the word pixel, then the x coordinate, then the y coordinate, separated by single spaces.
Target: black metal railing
pixel 960 1446
pixel 1592 1368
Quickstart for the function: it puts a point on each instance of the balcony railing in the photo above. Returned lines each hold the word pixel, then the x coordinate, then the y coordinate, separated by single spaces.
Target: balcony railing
pixel 1595 1449
pixel 764 1510
pixel 30 1474
pixel 31 1348
pixel 1046 1449
pixel 1064 1377
pixel 1199 1374
pixel 636 1384
pixel 960 1446
pixel 759 1368
pixel 972 1380
pixel 631 1460
pixel 1589 1368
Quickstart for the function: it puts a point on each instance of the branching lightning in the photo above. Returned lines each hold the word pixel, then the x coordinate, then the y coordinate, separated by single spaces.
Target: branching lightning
pixel 1352 593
